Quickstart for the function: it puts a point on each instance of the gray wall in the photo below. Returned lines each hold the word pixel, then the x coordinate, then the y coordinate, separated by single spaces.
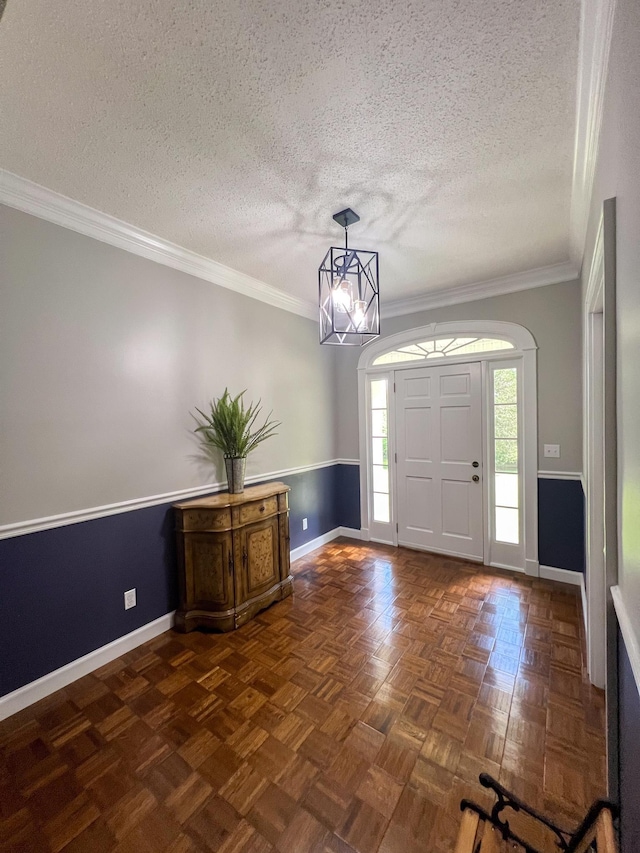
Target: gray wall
pixel 618 175
pixel 552 315
pixel 104 354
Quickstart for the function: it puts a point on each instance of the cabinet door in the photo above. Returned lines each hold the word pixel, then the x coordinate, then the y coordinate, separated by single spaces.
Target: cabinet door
pixel 209 570
pixel 259 549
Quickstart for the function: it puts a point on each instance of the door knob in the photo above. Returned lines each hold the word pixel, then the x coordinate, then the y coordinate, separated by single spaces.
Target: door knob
pixel 475 478
pixel 475 464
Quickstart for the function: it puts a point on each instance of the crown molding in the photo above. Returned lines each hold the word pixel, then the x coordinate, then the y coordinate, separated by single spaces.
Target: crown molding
pixel 596 27
pixel 594 295
pixel 554 274
pixel 39 201
pixel 36 200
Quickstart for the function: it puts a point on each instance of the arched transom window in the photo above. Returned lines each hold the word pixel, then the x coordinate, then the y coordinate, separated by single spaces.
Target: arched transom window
pixel 441 348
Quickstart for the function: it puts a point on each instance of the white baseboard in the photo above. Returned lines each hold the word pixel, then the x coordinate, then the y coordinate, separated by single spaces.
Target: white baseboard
pixel 303 550
pixel 532 568
pixel 349 532
pixel 507 568
pixel 563 575
pixel 429 550
pixel 585 611
pixel 59 678
pixel 575 579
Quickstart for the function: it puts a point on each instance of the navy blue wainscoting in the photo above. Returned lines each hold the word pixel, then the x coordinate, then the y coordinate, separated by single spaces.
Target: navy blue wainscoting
pixel 327 497
pixel 561 528
pixel 629 753
pixel 312 496
pixel 348 496
pixel 62 589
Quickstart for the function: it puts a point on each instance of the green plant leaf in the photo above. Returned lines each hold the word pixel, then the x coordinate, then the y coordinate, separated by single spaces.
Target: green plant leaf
pixel 230 427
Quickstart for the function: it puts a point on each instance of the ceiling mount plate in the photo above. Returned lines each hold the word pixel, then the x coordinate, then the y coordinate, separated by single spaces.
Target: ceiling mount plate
pixel 346 217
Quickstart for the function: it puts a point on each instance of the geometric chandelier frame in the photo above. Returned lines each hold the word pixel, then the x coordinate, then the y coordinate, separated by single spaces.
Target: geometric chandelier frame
pixel 349 294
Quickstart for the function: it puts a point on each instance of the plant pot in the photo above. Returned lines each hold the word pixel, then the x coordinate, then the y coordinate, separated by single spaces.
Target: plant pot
pixel 235 466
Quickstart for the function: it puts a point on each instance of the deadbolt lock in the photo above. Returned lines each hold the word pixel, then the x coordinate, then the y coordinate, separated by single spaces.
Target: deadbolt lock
pixel 475 478
pixel 476 464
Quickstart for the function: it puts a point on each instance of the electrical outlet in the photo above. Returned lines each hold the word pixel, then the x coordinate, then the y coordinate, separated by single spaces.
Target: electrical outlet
pixel 129 599
pixel 305 523
pixel 552 451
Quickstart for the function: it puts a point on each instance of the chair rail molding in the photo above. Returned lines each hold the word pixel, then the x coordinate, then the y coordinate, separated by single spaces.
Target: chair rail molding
pixel 560 475
pixel 21 528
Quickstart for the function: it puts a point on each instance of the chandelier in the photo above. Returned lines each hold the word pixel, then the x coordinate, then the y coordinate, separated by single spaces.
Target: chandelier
pixel 349 294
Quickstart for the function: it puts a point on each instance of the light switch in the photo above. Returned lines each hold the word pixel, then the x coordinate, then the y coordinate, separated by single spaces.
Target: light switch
pixel 552 451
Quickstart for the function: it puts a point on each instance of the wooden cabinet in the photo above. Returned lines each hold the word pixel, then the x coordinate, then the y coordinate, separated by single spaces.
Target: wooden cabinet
pixel 233 556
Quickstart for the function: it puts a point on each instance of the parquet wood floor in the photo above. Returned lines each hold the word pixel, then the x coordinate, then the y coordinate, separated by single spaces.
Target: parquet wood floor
pixel 353 716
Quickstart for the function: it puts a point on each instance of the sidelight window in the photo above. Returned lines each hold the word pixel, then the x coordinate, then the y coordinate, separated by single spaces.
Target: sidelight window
pixel 506 456
pixel 379 415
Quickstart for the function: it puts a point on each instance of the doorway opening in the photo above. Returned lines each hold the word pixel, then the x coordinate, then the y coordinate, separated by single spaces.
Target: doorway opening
pixel 448 442
pixel 600 454
pixel 594 468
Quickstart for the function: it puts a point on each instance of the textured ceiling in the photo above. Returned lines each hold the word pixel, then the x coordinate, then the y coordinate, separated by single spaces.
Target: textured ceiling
pixel 236 128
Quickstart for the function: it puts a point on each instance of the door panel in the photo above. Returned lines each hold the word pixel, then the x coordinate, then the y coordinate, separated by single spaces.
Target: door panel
pixel 454 385
pixel 418 388
pixel 439 436
pixel 456 509
pixel 455 434
pixel 418 435
pixel 419 503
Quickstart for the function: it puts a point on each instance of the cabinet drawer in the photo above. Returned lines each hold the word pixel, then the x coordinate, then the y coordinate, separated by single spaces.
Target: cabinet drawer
pixel 258 509
pixel 206 519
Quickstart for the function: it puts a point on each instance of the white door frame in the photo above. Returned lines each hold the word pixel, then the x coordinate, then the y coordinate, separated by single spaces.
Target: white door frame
pixel 524 349
pixel 593 462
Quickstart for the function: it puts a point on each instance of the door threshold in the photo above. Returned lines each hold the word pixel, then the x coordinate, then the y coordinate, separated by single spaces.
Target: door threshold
pixel 441 553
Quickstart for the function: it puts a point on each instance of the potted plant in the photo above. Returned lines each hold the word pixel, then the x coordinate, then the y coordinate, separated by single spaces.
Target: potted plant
pixel 231 428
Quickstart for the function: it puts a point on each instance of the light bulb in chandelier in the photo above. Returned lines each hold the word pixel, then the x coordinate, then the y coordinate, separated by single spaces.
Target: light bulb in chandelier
pixel 341 295
pixel 348 292
pixel 360 315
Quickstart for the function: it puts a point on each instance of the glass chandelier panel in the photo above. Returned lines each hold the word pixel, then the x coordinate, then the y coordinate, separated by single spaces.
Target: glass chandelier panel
pixel 349 294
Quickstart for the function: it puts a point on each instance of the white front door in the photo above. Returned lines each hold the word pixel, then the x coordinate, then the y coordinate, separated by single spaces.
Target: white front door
pixel 439 447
